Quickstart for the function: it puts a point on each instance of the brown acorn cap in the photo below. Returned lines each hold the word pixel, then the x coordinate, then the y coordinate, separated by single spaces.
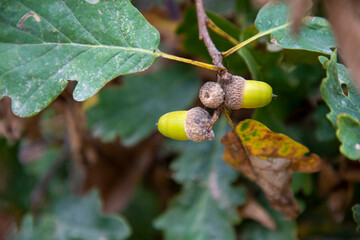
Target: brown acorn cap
pixel 234 92
pixel 197 125
pixel 211 95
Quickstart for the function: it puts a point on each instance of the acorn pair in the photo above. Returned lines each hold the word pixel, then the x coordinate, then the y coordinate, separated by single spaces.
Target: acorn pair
pixel 236 93
pixel 195 124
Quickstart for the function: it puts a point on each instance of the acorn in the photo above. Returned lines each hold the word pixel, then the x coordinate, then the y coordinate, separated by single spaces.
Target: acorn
pixel 241 93
pixel 193 124
pixel 211 95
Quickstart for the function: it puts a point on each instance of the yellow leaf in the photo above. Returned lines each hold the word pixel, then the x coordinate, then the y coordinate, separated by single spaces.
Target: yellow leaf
pixel 262 142
pixel 274 158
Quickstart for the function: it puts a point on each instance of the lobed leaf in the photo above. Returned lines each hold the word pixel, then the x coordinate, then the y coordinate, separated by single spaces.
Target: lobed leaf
pixel 343 98
pixel 339 100
pixel 206 207
pixel 150 95
pixel 44 44
pixel 314 35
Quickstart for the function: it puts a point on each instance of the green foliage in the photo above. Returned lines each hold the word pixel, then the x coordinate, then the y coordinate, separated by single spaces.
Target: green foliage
pixel 74 218
pixel 141 212
pixel 314 35
pixel 224 7
pixel 349 136
pixel 16 182
pixel 342 96
pixel 40 50
pixel 189 30
pixel 206 206
pixel 356 215
pixel 144 99
pixel 44 44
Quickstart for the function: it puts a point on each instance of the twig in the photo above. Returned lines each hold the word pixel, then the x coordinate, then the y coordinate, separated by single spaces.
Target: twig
pixel 215 54
pixel 215 116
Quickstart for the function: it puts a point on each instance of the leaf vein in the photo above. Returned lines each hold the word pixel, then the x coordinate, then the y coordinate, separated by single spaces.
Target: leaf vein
pixel 42 17
pixel 23 64
pixel 122 64
pixel 77 20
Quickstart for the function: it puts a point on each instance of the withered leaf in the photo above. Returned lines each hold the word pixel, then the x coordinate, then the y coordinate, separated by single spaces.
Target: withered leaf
pixel 274 158
pixel 253 210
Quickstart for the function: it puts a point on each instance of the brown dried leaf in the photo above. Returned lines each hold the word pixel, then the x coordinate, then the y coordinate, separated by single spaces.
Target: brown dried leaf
pixel 274 158
pixel 253 210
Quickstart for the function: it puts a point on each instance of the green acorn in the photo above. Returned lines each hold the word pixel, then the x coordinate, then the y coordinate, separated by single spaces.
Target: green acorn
pixel 194 125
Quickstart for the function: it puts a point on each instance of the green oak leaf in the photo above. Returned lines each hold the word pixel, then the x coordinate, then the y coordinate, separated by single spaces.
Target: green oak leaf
pixel 74 218
pixel 343 98
pixel 314 35
pixel 349 135
pixel 43 44
pixel 151 95
pixel 206 207
pixel 338 76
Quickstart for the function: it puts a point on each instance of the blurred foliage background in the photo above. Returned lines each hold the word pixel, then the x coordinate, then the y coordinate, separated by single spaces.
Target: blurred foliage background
pixel 61 168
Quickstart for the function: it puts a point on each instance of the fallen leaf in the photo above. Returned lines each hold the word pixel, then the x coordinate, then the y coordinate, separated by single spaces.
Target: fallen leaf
pixel 274 158
pixel 253 210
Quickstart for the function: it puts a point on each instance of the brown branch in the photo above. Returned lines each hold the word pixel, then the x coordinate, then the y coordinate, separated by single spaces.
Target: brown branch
pixel 215 54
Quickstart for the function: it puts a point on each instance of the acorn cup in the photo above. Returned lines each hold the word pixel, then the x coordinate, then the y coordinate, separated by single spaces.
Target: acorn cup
pixel 241 93
pixel 211 94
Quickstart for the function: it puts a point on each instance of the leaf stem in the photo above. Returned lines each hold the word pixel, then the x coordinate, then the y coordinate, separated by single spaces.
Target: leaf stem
pixel 189 61
pixel 248 159
pixel 244 53
pixel 232 125
pixel 221 32
pixel 253 38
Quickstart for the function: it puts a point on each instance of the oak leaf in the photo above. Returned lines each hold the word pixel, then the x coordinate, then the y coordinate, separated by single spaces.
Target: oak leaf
pixel 274 159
